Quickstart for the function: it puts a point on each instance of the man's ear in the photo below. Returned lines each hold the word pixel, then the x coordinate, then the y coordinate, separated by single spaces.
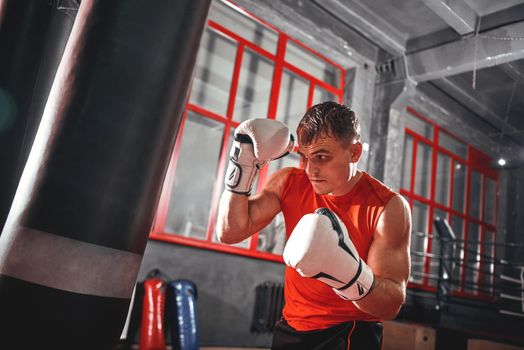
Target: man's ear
pixel 356 151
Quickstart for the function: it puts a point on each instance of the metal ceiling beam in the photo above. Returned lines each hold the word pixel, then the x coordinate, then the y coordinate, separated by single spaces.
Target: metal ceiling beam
pixel 314 26
pixel 515 70
pixel 456 13
pixel 480 109
pixel 491 48
pixel 371 25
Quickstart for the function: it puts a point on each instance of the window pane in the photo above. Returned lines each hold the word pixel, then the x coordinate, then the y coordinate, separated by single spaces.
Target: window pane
pixel 408 160
pixel 419 241
pixel 273 237
pixel 195 177
pixel 435 248
pixel 244 26
pixel 443 179
pixel 322 95
pixel 254 87
pixel 419 126
pixel 475 194
pixel 310 63
pixel 457 225
pixel 213 72
pixel 488 266
pixel 489 201
pixel 472 257
pixel 423 171
pixel 452 144
pixel 292 102
pixel 459 187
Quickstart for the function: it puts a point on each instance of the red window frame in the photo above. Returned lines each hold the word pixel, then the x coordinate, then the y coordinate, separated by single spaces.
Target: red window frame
pixel 158 233
pixel 475 160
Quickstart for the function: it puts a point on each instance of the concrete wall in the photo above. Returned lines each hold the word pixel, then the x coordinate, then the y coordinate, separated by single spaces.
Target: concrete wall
pixel 226 289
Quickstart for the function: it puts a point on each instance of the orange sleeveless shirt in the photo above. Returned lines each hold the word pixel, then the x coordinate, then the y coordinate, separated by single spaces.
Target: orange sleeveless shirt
pixel 311 304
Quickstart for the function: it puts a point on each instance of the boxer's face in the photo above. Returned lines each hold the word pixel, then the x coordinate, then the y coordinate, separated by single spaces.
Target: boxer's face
pixel 330 165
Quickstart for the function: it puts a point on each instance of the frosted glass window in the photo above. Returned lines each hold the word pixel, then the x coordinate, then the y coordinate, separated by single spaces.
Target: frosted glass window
pixel 254 87
pixel 244 26
pixel 322 95
pixel 452 144
pixel 407 163
pixel 459 187
pixel 443 179
pixel 195 176
pixel 423 170
pixel 292 102
pixel 312 64
pixel 475 194
pixel 490 196
pixel 419 126
pixel 213 72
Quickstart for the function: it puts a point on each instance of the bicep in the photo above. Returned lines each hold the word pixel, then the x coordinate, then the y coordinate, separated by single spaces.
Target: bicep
pixel 388 255
pixel 265 205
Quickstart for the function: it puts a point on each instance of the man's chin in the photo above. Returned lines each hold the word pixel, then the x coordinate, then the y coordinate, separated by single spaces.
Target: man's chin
pixel 320 189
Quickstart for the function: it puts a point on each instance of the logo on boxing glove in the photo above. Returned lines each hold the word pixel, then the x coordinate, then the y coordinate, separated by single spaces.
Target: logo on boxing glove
pixel 320 247
pixel 256 142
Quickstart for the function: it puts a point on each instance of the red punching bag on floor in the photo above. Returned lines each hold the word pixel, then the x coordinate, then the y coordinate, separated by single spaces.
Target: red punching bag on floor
pixel 152 333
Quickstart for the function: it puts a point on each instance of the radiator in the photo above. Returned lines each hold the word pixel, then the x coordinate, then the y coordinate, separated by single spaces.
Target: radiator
pixel 269 301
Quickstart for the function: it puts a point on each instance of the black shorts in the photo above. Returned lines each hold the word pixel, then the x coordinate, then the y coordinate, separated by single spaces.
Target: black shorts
pixel 354 335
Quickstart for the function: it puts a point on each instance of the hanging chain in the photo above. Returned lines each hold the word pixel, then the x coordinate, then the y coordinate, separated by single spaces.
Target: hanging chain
pixel 475 54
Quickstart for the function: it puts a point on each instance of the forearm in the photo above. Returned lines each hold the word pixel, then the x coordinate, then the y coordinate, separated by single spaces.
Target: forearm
pixel 233 218
pixel 385 299
pixel 256 142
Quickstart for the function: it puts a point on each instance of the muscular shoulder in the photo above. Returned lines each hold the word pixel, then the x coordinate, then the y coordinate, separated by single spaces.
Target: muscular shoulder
pixel 395 220
pixel 277 181
pixel 397 204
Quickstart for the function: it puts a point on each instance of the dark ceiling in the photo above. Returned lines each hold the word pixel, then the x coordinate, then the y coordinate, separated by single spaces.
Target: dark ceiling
pixel 471 50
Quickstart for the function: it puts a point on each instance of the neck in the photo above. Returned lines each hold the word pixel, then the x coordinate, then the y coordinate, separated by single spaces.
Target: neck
pixel 355 175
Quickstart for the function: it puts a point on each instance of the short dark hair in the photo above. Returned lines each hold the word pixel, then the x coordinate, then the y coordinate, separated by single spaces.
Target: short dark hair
pixel 329 119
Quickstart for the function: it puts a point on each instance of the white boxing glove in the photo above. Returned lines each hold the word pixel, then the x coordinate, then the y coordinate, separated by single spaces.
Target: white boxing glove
pixel 320 247
pixel 256 142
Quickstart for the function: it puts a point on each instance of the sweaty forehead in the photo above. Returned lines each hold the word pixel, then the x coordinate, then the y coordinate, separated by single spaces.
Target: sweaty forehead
pixel 321 143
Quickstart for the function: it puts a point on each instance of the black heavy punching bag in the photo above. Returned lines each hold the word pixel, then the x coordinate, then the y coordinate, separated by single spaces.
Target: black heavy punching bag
pixel 33 35
pixel 72 244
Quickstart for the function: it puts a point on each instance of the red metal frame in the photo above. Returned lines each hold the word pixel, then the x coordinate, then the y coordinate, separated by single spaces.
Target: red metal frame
pixel 277 77
pixel 477 161
pixel 158 232
pixel 434 154
pixel 310 95
pixel 466 227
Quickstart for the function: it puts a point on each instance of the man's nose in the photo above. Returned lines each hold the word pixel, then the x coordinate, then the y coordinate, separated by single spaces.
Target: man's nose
pixel 311 169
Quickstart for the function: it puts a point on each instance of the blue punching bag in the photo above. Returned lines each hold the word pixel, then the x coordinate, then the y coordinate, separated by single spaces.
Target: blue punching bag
pixel 181 313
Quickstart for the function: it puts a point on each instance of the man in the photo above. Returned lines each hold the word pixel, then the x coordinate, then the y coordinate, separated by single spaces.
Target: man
pixel 348 234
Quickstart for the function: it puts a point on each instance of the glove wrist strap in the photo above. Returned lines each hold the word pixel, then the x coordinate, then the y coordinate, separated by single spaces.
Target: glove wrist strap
pixel 242 169
pixel 360 286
